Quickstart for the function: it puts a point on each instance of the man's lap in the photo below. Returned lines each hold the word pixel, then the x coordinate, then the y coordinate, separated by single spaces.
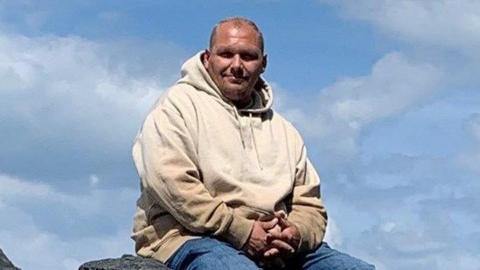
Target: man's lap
pixel 209 253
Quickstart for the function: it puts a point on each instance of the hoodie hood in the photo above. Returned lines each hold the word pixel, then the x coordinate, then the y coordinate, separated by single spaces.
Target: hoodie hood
pixel 194 73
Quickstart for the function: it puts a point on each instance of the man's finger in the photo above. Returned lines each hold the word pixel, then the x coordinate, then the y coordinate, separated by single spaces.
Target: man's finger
pixel 291 236
pixel 267 225
pixel 275 232
pixel 272 236
pixel 280 215
pixel 287 236
pixel 282 245
pixel 283 222
pixel 271 252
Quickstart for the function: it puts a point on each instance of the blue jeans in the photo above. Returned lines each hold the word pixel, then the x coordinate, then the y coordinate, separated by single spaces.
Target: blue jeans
pixel 209 253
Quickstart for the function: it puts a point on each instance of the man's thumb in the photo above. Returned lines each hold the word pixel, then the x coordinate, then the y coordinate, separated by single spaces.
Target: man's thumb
pixel 267 225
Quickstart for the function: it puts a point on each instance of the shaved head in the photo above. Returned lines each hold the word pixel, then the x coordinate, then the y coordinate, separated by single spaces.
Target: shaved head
pixel 237 22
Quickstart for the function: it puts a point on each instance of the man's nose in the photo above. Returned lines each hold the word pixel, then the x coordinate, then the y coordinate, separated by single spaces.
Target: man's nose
pixel 237 66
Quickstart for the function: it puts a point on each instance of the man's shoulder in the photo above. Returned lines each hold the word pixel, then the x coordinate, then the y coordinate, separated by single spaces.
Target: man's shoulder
pixel 180 92
pixel 177 97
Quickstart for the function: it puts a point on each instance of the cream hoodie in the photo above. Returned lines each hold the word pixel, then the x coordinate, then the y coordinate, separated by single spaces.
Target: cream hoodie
pixel 207 168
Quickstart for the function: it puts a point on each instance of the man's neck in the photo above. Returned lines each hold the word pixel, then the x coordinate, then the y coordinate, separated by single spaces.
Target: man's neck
pixel 242 104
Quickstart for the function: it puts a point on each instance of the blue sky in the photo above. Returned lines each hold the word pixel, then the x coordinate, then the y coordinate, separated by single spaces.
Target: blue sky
pixel 385 93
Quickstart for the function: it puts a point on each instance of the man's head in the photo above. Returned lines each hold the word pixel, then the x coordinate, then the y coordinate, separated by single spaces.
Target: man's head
pixel 235 58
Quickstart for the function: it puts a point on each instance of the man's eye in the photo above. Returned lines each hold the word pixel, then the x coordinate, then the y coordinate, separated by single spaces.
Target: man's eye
pixel 226 54
pixel 249 57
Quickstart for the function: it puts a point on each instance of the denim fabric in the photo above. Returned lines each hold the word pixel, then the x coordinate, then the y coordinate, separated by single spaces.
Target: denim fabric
pixel 326 258
pixel 209 253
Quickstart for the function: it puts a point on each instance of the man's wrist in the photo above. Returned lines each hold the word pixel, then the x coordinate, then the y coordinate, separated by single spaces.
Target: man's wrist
pixel 239 231
pixel 299 237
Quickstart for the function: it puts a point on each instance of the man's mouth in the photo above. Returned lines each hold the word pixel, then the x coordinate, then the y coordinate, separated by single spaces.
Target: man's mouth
pixel 236 80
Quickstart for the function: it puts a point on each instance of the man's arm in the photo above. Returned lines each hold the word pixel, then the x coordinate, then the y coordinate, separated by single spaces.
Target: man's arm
pixel 308 214
pixel 304 228
pixel 168 165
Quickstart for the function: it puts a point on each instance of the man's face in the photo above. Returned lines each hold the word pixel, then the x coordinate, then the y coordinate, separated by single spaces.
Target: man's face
pixel 235 61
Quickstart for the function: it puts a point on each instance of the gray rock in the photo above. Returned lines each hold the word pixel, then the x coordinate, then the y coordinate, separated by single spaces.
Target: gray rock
pixel 5 263
pixel 126 262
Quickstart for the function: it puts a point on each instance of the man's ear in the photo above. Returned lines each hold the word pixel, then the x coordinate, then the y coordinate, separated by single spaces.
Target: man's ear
pixel 205 58
pixel 264 63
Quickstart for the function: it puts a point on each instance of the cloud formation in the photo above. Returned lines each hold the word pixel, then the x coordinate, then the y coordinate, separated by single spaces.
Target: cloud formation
pixel 47 222
pixel 412 205
pixel 70 97
pixel 342 110
pixel 444 23
pixel 70 108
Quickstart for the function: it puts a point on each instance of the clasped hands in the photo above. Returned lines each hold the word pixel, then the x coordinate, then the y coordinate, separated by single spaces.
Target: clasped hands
pixel 272 238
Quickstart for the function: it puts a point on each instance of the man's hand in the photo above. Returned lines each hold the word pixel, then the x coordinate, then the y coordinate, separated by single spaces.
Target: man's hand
pixel 284 238
pixel 257 242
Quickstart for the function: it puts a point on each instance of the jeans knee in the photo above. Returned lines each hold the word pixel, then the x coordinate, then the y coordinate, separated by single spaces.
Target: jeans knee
pixel 208 253
pixel 219 261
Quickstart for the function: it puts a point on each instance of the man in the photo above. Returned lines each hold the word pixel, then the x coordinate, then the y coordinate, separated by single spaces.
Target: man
pixel 225 180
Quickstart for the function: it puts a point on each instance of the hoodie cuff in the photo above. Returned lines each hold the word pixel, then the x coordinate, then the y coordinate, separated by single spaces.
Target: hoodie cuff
pixel 239 231
pixel 302 244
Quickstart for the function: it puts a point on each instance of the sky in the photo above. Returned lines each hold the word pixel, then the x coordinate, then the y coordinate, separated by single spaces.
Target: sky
pixel 384 93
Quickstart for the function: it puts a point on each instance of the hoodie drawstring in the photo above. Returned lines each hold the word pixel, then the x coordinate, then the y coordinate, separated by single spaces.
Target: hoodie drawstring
pixel 237 116
pixel 255 142
pixel 242 135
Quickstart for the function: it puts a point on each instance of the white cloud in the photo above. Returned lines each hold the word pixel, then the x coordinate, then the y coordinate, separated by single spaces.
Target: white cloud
pixel 70 76
pixel 69 107
pixel 334 122
pixel 71 97
pixel 414 248
pixel 14 187
pixel 437 23
pixel 23 232
pixel 17 191
pixel 94 180
pixel 396 84
pixel 407 212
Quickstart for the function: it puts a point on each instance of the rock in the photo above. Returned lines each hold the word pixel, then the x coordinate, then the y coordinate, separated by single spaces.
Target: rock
pixel 5 263
pixel 126 262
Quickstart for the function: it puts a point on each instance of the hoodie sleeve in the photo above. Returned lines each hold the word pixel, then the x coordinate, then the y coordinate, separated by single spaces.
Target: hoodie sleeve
pixel 308 212
pixel 170 175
